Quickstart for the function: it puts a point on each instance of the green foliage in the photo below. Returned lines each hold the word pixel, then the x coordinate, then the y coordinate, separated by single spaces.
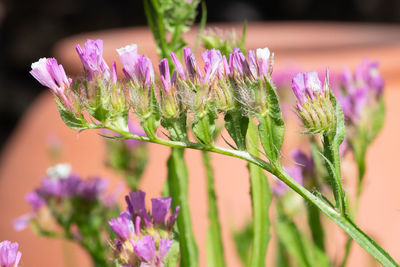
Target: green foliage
pixel 261 197
pixel 297 244
pixel 224 41
pixel 271 127
pixel 236 124
pixel 203 126
pixel 243 239
pixel 71 119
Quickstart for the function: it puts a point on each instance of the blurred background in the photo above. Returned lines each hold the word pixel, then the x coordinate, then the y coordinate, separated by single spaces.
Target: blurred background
pixel 29 30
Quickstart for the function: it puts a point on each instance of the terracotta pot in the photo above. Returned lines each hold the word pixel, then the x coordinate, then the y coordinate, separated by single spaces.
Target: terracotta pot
pixel 310 45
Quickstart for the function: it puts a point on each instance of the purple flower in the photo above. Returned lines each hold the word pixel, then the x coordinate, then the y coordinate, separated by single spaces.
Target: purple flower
pixel 114 78
pixel 191 65
pixel 92 59
pixel 263 58
pixel 9 254
pixel 259 62
pixel 123 226
pixel 34 200
pixel 137 207
pixel 178 66
pixel 59 188
pixel 358 91
pixel 23 221
pixel 145 250
pixel 213 64
pixel 92 188
pixel 237 64
pixel 135 66
pixel 160 208
pixel 49 73
pixel 306 85
pixel 164 75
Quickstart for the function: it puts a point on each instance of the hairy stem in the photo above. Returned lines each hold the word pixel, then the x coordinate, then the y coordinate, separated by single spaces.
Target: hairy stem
pixel 341 219
pixel 215 248
pixel 178 188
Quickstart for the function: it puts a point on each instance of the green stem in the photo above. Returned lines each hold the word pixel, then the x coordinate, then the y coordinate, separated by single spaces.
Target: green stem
pixel 331 152
pixel 261 197
pixel 342 220
pixel 178 189
pixel 215 248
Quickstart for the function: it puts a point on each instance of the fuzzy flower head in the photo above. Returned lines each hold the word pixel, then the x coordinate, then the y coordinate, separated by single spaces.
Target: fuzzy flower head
pixel 9 254
pixel 91 56
pixel 194 87
pixel 170 106
pixel 160 208
pixel 67 194
pixel 144 237
pixel 148 253
pixel 251 79
pixel 359 91
pixel 136 67
pixel 260 62
pixel 139 72
pixel 314 105
pixel 52 75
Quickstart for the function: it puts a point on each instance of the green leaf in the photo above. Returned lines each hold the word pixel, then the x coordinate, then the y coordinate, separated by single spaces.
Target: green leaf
pixel 261 197
pixel 298 245
pixel 314 222
pixel 172 258
pixel 236 125
pixel 100 113
pixel 70 118
pixel 204 126
pixel 271 126
pixel 243 239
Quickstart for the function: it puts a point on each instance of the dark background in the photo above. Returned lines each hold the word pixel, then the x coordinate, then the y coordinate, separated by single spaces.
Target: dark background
pixel 29 29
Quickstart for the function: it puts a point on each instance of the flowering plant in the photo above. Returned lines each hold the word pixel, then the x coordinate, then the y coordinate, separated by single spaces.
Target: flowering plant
pixel 339 114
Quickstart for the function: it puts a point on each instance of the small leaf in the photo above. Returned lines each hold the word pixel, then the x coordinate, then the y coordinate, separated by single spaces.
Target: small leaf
pixel 271 126
pixel 70 119
pixel 237 125
pixel 203 127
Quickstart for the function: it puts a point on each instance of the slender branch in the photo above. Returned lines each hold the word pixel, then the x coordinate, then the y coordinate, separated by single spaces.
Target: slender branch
pixel 215 248
pixel 342 220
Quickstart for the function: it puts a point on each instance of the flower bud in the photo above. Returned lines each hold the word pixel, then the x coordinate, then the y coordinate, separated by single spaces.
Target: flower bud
pixel 169 102
pixel 92 59
pixel 9 254
pixel 52 75
pixel 314 105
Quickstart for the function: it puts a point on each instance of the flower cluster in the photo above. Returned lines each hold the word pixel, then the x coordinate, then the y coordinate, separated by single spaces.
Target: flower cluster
pixel 9 254
pixel 314 105
pixel 222 86
pixel 144 238
pixel 66 196
pixel 357 91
